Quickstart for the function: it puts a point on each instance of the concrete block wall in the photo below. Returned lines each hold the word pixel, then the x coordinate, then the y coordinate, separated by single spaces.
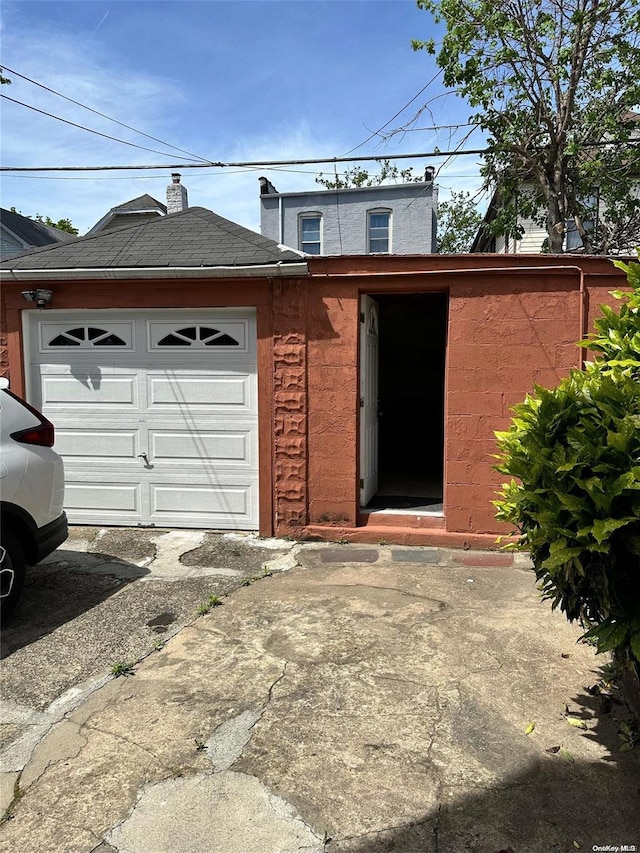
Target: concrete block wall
pixel 333 404
pixel 504 337
pixel 508 329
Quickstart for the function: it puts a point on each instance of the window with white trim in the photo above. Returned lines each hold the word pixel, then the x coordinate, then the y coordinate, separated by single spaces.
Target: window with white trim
pixel 311 233
pixel 197 336
pixel 378 231
pixel 87 337
pixel 573 240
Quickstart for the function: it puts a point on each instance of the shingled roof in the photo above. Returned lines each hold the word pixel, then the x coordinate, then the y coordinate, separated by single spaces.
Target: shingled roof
pixel 142 202
pixel 31 231
pixel 195 237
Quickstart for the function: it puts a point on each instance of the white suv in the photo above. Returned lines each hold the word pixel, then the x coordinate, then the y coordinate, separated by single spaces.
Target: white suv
pixel 32 521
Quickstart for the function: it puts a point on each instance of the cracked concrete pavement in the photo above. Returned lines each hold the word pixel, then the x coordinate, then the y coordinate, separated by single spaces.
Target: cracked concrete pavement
pixel 353 700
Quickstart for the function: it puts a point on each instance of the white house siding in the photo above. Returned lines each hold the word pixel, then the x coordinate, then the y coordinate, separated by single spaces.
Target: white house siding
pixel 532 239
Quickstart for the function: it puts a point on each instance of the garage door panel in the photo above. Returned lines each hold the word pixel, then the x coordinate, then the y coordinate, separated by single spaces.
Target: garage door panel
pixel 202 392
pixel 72 392
pixel 213 501
pixel 104 445
pixel 83 498
pixel 200 446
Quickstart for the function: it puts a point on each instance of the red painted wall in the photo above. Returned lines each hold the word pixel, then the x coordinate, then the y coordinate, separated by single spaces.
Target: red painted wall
pixel 513 321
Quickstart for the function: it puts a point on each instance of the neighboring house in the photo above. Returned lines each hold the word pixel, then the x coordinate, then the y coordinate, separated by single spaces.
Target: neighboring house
pixel 201 375
pixel 534 237
pixel 18 233
pixel 398 219
pixel 145 208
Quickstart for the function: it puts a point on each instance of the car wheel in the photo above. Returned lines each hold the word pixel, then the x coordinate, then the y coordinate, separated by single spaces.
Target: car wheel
pixel 12 573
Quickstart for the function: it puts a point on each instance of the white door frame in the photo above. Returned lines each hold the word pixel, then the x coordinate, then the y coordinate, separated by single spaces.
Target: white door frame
pixel 369 337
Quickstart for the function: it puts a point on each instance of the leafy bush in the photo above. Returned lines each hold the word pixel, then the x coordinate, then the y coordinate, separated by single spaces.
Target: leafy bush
pixel 575 451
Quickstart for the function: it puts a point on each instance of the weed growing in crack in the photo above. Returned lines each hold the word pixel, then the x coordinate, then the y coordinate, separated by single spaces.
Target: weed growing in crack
pixel 200 744
pixel 265 573
pixel 205 606
pixel 122 668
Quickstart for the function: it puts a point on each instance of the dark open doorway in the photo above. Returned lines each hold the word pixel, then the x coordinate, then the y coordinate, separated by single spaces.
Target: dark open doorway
pixel 412 344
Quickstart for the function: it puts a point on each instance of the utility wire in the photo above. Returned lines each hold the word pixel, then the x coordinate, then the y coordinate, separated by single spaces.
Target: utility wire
pixel 252 164
pixel 89 130
pixel 192 175
pixel 401 110
pixel 102 115
pixel 243 164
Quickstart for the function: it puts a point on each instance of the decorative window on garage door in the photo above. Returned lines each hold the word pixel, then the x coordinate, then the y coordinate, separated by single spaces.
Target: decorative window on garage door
pixel 213 335
pixel 87 337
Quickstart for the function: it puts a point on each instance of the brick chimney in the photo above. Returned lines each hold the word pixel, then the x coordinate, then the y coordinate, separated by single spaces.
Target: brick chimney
pixel 176 195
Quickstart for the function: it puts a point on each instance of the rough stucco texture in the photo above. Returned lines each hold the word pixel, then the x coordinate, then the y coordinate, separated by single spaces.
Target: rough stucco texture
pixel 503 339
pixel 505 333
pixel 290 406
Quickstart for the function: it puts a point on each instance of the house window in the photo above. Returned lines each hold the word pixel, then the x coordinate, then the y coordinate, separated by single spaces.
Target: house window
pixel 378 231
pixel 573 241
pixel 310 233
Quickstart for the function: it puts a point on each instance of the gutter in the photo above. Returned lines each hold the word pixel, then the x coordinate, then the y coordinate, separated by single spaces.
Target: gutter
pixel 275 270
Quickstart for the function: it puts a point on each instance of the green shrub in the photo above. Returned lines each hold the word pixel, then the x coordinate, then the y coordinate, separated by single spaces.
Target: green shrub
pixel 575 451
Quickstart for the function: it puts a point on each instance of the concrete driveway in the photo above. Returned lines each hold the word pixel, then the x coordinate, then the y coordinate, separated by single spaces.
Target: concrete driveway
pixel 352 700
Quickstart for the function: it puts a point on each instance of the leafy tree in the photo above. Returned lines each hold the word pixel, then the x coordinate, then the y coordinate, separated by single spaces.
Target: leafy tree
pixel 61 224
pixel 359 177
pixel 555 84
pixel 575 451
pixel 458 223
pixel 3 80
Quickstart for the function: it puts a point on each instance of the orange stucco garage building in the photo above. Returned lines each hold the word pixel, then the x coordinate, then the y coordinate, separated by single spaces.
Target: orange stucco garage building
pixel 345 398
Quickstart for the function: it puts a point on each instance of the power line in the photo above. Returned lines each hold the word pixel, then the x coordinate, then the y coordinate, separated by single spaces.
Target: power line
pixel 102 115
pixel 243 164
pixel 88 129
pixel 192 175
pixel 252 164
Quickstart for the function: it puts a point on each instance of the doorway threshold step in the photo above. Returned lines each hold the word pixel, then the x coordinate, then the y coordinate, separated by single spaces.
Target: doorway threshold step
pixel 401 518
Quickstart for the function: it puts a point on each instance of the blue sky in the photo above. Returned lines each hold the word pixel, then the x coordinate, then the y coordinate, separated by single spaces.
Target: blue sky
pixel 227 80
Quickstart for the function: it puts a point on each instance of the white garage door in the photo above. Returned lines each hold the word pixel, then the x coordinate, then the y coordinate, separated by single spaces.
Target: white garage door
pixel 156 414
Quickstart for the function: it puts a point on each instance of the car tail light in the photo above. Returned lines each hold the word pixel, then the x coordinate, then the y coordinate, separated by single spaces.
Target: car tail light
pixel 42 434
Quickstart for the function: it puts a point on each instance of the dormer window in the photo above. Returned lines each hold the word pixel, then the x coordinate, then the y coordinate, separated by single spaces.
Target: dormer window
pixel 378 231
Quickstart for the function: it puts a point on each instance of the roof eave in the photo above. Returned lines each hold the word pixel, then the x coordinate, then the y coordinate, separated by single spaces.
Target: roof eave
pixel 279 269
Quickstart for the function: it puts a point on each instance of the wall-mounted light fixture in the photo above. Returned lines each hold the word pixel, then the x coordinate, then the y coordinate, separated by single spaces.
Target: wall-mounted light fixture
pixel 40 296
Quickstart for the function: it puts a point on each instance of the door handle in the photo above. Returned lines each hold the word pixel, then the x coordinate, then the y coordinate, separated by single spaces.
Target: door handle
pixel 146 460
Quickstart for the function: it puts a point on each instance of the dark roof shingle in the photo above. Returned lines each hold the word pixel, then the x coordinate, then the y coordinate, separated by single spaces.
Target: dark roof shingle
pixel 195 237
pixel 31 231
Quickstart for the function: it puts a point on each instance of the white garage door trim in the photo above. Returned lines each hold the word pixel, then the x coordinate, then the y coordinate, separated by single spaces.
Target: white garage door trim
pixel 156 413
